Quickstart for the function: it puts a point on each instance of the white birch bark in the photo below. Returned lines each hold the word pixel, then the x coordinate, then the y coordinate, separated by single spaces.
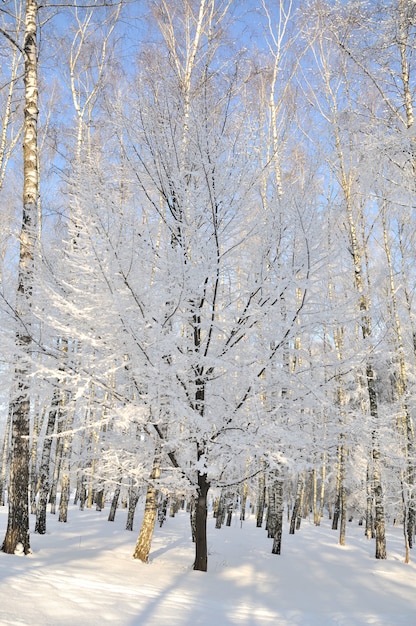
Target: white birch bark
pixel 144 540
pixel 17 533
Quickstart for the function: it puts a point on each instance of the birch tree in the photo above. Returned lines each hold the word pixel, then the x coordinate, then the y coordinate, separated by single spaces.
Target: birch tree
pixel 334 88
pixel 17 533
pixel 376 61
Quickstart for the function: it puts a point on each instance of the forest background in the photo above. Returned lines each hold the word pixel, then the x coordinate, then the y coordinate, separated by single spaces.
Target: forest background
pixel 207 262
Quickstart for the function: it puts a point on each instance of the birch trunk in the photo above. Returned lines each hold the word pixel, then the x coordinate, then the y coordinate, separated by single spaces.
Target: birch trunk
pixel 261 499
pixel 144 541
pixel 17 533
pixel 366 332
pixel 316 518
pixel 243 501
pixel 369 520
pixel 278 525
pixel 57 466
pixel 4 461
pixel 271 511
pixel 347 177
pixel 34 477
pixel 297 506
pixel 44 470
pixel 343 515
pixel 66 450
pixel 322 492
pixel 408 496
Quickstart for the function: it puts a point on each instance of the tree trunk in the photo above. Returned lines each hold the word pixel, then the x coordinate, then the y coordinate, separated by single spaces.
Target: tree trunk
pixel 4 460
pixel 278 529
pixel 271 509
pixel 17 533
pixel 221 506
pixel 201 510
pixel 192 518
pixel 162 511
pixel 322 494
pixel 406 422
pixel 82 493
pixel 294 520
pixel 342 492
pixel 78 488
pixel 379 523
pixel 316 518
pixel 100 499
pixel 337 509
pixel 34 477
pixel 343 515
pixel 114 502
pixel 230 507
pixel 133 499
pixel 44 470
pixel 57 466
pixel 261 499
pixel 64 499
pixel 174 506
pixel 144 540
pixel 407 545
pixel 369 520
pixel 381 551
pixel 65 480
pixel 243 501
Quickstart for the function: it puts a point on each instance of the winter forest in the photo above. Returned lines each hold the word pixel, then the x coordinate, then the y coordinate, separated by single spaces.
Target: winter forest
pixel 207 265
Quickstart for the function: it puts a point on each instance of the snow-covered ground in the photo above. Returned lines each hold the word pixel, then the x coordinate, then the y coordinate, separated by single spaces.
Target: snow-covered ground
pixel 82 572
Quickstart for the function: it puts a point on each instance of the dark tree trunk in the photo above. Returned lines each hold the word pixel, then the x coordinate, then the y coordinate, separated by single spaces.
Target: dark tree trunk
pixel 230 507
pixel 162 512
pixel 337 507
pixel 18 519
pixel 201 509
pixel 114 502
pixel 410 526
pixel 99 500
pixel 82 494
pixel 133 499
